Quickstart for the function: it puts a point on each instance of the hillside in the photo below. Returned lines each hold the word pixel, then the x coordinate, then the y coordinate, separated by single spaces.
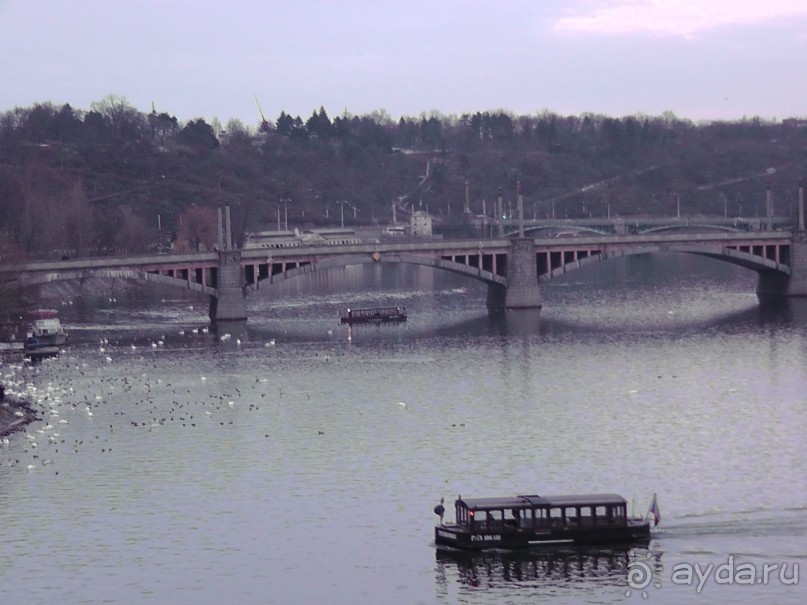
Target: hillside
pixel 114 179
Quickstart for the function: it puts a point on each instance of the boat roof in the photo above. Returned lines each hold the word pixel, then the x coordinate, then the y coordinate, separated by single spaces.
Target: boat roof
pixel 374 308
pixel 535 500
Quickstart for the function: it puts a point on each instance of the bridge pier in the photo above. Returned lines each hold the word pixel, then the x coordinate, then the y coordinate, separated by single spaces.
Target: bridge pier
pixel 522 276
pixel 795 284
pixel 228 303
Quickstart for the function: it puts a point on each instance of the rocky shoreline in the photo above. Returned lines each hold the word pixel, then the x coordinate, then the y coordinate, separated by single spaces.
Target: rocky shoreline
pixel 15 414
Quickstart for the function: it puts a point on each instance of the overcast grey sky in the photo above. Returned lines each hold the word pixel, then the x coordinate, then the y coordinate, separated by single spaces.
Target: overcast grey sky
pixel 701 59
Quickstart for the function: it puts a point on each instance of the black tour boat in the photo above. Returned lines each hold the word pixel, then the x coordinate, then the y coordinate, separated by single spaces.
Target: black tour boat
pixel 525 521
pixel 373 315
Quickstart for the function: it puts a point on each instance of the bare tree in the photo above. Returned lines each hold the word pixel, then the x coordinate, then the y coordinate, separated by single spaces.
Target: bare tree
pixel 198 229
pixel 133 235
pixel 122 118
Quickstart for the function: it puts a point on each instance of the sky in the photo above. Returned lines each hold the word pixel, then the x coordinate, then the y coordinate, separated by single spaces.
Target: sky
pixel 699 59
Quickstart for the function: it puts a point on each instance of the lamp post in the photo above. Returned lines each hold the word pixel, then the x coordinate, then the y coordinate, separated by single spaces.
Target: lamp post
pixel 484 219
pixel 608 206
pixel 341 211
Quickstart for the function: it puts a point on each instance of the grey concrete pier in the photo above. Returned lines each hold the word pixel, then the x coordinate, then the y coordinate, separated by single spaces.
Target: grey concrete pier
pixel 228 304
pixel 522 276
pixel 772 283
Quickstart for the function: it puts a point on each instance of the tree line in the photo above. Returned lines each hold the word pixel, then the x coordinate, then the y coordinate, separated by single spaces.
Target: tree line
pixel 113 179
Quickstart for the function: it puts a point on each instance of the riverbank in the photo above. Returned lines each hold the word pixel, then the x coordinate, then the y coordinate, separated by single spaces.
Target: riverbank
pixel 15 415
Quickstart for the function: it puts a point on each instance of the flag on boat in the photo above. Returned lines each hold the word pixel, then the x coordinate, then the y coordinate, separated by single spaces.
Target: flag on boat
pixel 654 511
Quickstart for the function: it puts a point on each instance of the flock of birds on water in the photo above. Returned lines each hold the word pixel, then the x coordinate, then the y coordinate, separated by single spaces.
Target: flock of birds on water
pixel 157 401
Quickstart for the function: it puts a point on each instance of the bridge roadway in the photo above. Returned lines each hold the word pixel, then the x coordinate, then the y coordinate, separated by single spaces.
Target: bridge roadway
pixel 512 268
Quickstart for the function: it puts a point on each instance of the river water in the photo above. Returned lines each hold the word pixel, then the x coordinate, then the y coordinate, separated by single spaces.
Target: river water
pixel 293 461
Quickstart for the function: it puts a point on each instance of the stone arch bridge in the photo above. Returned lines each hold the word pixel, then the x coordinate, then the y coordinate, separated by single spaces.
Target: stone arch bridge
pixel 512 268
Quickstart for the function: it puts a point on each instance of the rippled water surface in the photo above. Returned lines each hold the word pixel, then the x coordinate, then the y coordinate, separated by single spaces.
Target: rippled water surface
pixel 292 461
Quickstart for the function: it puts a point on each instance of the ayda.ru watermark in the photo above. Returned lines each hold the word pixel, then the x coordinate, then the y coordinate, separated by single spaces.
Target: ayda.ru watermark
pixel 641 575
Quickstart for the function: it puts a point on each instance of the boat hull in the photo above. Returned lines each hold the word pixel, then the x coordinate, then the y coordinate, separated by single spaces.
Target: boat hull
pixel 453 536
pixel 52 340
pixel 373 320
pixel 40 352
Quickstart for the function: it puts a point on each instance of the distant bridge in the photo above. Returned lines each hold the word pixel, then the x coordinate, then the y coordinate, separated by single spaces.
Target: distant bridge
pixel 635 225
pixel 512 268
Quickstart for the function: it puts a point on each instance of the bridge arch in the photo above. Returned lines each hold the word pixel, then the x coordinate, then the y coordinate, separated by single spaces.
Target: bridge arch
pixel 743 259
pixel 690 228
pixel 476 273
pixel 40 279
pixel 562 231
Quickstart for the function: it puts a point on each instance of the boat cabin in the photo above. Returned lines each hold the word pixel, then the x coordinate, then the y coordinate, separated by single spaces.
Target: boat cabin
pixel 44 325
pixel 541 512
pixel 373 315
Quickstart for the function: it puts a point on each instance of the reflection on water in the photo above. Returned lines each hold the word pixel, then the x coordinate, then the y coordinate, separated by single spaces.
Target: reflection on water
pixel 545 569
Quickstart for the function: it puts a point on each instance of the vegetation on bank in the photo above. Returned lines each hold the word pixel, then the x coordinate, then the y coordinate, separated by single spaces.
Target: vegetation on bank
pixel 112 179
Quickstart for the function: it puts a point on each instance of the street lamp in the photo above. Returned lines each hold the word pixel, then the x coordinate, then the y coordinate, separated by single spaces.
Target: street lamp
pixel 341 211
pixel 608 206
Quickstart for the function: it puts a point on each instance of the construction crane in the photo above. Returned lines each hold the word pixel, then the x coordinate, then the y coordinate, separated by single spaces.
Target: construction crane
pixel 265 126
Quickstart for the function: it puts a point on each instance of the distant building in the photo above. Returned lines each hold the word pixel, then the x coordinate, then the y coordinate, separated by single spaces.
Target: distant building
pixel 396 230
pixel 794 123
pixel 421 224
pixel 271 239
pixel 312 237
